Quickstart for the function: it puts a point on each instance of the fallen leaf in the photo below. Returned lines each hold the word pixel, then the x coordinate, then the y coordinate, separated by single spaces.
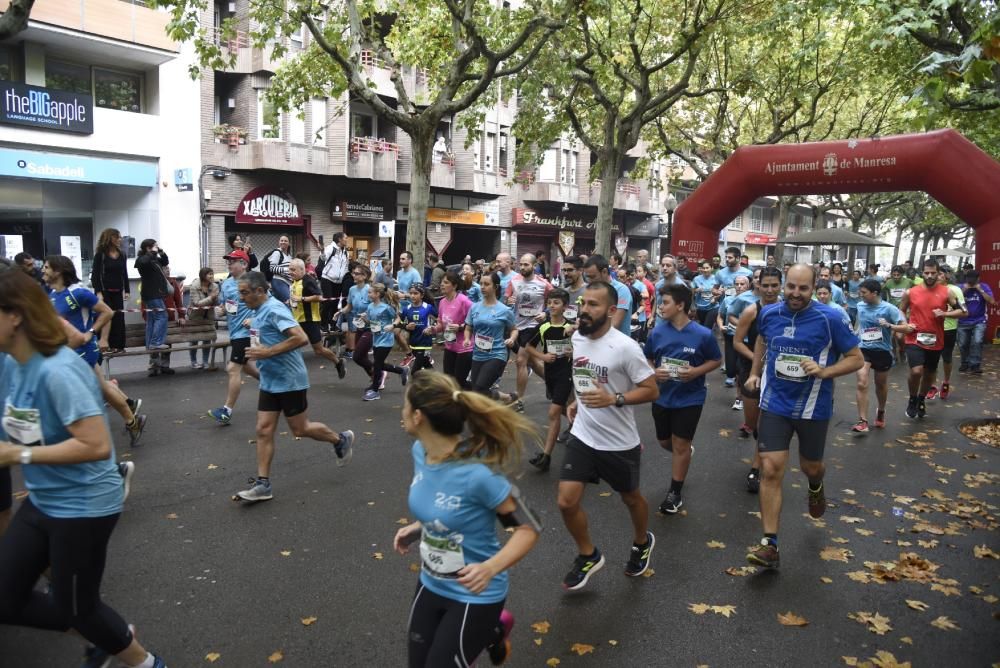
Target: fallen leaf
pixel 613 643
pixel 850 660
pixel 884 659
pixel 605 494
pixel 715 545
pixel 835 554
pixel 991 599
pixel 848 491
pixel 699 608
pixel 876 623
pixel 983 552
pixel 864 532
pixel 741 572
pixel 581 648
pixel 851 520
pixel 172 516
pixel 553 662
pixel 368 433
pixel 945 624
pixel 840 540
pixel 308 621
pixel 947 590
pixel 538 641
pixel 649 573
pixel 541 627
pixel 378 556
pixel 907 640
pixel 212 657
pixel 791 619
pixel 724 610
pixel 212 467
pixel 286 553
pixel 724 433
pixel 917 605
pixel 403 521
pixel 276 657
pixel 371 503
pixel 414 568
pixel 826 580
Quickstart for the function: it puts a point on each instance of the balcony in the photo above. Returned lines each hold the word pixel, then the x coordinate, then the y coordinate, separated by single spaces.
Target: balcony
pixel 491 183
pixel 629 196
pixel 268 154
pixel 550 191
pixel 131 22
pixel 372 158
pixel 443 173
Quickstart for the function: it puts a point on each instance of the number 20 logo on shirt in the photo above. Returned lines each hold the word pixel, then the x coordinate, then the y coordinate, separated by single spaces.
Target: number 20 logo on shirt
pixel 446 501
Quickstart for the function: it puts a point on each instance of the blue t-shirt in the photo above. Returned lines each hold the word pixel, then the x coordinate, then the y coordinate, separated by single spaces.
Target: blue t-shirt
pixel 420 315
pixel 490 326
pixel 873 336
pixel 474 293
pixel 357 297
pixel 727 302
pixel 455 503
pixel 693 344
pixel 404 279
pixel 237 312
pixel 76 304
pixel 739 304
pixel 504 280
pixel 285 372
pixel 46 395
pixel 381 316
pixel 838 294
pixel 703 292
pixel 853 297
pixel 818 331
pixel 624 304
pixel 727 277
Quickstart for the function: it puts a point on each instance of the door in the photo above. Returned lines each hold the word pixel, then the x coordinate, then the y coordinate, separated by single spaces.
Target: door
pixel 361 249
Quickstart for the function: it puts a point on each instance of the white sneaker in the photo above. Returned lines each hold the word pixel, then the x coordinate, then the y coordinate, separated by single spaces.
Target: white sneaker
pixel 738 405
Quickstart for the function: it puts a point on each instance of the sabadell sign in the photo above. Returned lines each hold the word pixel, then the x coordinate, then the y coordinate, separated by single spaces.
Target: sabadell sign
pixel 268 205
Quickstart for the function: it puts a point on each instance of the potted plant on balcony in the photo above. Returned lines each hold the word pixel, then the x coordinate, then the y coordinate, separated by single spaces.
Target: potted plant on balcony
pixel 220 131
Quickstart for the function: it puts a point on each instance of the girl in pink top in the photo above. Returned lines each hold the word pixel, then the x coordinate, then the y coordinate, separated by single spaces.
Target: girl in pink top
pixel 452 310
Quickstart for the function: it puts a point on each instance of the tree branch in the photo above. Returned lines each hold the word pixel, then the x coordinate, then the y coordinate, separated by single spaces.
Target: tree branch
pixel 15 19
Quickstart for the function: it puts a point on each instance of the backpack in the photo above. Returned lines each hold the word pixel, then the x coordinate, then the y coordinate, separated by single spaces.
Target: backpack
pixel 636 298
pixel 265 266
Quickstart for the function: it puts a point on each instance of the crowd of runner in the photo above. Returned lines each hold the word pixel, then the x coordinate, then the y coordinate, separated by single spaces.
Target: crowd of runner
pixel 601 336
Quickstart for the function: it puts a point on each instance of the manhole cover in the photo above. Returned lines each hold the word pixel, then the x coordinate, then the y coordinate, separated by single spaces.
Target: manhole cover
pixel 982 431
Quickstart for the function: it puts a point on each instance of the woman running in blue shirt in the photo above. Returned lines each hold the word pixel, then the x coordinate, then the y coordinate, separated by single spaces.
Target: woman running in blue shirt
pixel 490 328
pixel 381 317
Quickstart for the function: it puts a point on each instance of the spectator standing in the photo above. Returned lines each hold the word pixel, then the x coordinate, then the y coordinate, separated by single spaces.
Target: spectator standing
pixel 239 242
pixel 336 266
pixel 153 293
pixel 159 363
pixel 275 269
pixel 204 296
pixel 972 328
pixel 109 279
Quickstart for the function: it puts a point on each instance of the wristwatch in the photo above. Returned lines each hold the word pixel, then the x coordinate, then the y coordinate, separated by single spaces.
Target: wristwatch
pixel 619 400
pixel 25 456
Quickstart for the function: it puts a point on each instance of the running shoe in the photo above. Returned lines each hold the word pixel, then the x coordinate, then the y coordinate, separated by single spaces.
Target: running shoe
pixel 259 491
pixel 745 430
pixel 408 360
pixel 672 503
pixel 341 369
pixel 500 651
pixel 167 371
pixel 945 390
pixel 404 375
pixel 860 427
pixel 880 419
pixel 372 395
pixel 541 461
pixel 563 437
pixel 932 393
pixel 95 657
pixel 221 415
pixel 817 502
pixel 126 470
pixel 753 481
pixel 911 408
pixel 518 405
pixel 135 429
pixel 766 555
pixel 344 447
pixel 381 384
pixel 730 382
pixel 738 405
pixel 639 555
pixel 197 365
pixel 583 568
pixel 347 355
pixel 921 408
pixel 134 405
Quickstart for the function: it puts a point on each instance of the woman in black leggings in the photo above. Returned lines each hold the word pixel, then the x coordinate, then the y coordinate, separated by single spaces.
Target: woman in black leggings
pixel 489 327
pixel 58 433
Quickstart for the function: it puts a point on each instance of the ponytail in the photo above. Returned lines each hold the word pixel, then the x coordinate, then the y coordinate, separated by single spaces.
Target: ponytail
pixel 497 433
pixel 386 295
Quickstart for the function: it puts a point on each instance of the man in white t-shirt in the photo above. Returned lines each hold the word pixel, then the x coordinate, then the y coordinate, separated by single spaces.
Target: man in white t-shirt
pixel 610 375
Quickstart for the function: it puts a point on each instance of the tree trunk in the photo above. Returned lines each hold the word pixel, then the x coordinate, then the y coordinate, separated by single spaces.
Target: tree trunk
pixel 913 247
pixel 783 218
pixel 899 240
pixel 606 204
pixel 420 194
pixel 923 248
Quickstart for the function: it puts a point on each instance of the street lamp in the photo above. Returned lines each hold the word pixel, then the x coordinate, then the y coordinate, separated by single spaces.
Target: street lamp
pixel 219 173
pixel 671 205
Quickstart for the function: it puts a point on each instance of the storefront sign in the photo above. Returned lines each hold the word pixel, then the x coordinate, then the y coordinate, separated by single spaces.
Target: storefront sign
pixel 37 107
pixel 455 216
pixel 267 205
pixel 69 167
pixel 646 227
pixel 760 239
pixel 534 219
pixel 363 211
pixel 567 239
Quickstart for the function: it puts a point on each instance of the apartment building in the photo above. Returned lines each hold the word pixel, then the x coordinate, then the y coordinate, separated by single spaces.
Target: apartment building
pixel 98 129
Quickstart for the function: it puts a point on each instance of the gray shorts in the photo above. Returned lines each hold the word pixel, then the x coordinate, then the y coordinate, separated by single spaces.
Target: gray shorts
pixel 775 435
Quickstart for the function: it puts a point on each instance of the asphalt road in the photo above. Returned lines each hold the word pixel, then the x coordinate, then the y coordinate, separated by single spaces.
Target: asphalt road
pixel 200 575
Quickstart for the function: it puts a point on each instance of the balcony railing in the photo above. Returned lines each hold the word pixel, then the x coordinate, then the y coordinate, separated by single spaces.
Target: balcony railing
pixel 370 61
pixel 238 40
pixel 372 145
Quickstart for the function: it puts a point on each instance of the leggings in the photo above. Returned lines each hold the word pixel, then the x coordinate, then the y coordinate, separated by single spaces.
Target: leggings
pixel 421 360
pixel 380 353
pixel 457 365
pixel 731 356
pixel 362 346
pixel 75 549
pixel 707 317
pixel 445 632
pixel 485 373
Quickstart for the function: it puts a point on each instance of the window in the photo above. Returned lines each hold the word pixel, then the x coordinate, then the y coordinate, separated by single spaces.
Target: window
pixel 297 127
pixel 67 77
pixel 362 125
pixel 318 113
pixel 489 150
pixel 269 120
pixel 547 171
pixel 8 64
pixel 573 155
pixel 117 90
pixel 502 159
pixel 737 223
pixel 760 219
pixel 297 35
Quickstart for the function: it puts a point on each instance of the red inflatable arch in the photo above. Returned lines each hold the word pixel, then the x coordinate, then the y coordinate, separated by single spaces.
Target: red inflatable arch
pixel 943 163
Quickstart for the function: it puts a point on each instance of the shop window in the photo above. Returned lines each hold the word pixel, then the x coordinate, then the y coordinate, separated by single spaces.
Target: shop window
pixel 318 121
pixel 269 125
pixel 67 77
pixel 117 90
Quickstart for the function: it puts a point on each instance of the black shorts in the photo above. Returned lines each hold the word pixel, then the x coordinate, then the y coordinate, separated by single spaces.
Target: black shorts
pixel 290 403
pixel 238 350
pixel 618 468
pixel 6 489
pixel 881 360
pixel 743 368
pixel 950 335
pixel 917 356
pixel 775 435
pixel 679 422
pixel 524 337
pixel 313 331
pixel 559 384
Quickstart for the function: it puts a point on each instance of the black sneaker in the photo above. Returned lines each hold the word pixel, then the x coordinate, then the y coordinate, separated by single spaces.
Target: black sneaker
pixel 978 370
pixel 911 409
pixel 583 568
pixel 672 503
pixel 500 650
pixel 126 470
pixel 638 560
pixel 135 430
pixel 167 371
pixel 541 461
pixel 921 408
pixel 134 405
pixel 341 369
pixel 753 481
pixel 563 437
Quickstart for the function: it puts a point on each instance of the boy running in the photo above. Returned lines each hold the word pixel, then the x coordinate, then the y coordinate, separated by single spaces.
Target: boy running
pixel 554 348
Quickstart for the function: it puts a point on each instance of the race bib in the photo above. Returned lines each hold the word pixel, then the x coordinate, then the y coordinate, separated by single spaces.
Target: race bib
pixel 376 327
pixel 584 379
pixel 897 293
pixel 23 425
pixel 852 295
pixel 674 366
pixel 450 336
pixel 484 342
pixel 571 312
pixel 528 310
pixel 254 338
pixel 359 323
pixel 730 292
pixel 870 334
pixel 789 367
pixel 560 347
pixel 926 338
pixel 231 306
pixel 442 558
